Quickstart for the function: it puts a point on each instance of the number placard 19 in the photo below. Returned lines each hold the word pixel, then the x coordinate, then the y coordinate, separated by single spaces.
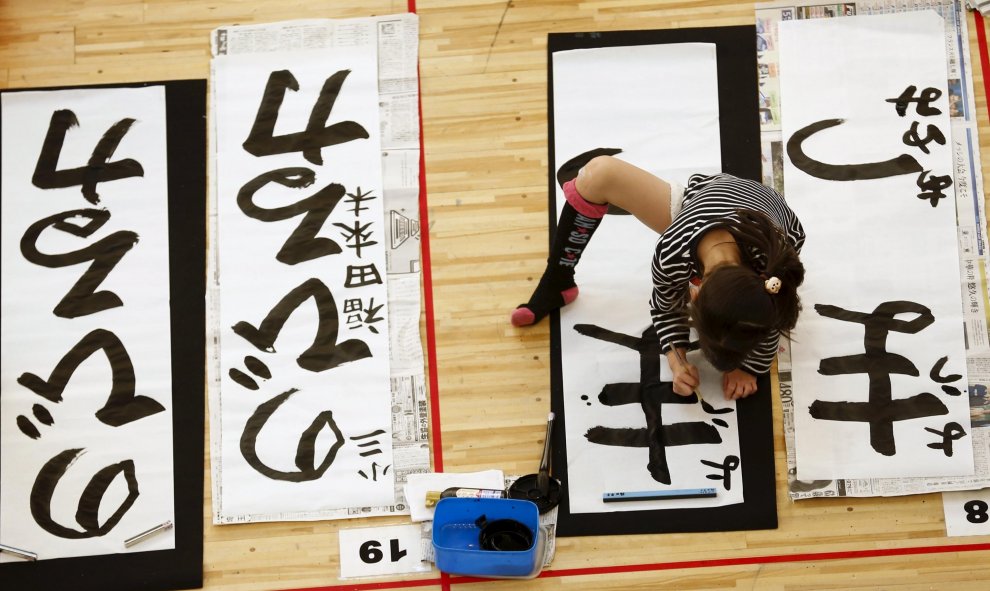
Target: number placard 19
pixel 967 512
pixel 389 550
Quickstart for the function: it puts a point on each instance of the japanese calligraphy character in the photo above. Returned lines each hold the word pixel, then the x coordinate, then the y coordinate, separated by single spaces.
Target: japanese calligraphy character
pixel 305 459
pixel 122 405
pixel 950 433
pixel 89 508
pixel 361 275
pixel 262 140
pixel 357 236
pixel 325 352
pixel 369 445
pixel 913 138
pixel 902 164
pixel 357 198
pixel 97 170
pixel 881 411
pixel 303 244
pixel 256 367
pixel 936 376
pixel 651 394
pixel 924 101
pixel 727 467
pixel 82 298
pixel 374 472
pixel 932 187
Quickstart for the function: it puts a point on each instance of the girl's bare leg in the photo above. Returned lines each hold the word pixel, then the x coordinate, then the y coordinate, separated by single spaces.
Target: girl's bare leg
pixel 602 181
pixel 608 180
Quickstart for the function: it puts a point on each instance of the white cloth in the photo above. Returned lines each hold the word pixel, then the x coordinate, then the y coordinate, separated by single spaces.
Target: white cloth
pixel 417 485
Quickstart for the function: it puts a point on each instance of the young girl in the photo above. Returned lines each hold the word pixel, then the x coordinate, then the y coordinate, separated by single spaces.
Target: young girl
pixel 736 240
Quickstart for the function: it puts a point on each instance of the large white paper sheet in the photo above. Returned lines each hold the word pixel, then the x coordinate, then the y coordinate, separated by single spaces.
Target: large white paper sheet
pixel 659 105
pixel 316 434
pixel 87 424
pixel 881 244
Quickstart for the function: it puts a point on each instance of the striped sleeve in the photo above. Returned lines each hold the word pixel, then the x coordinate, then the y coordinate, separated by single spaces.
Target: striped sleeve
pixel 759 360
pixel 668 308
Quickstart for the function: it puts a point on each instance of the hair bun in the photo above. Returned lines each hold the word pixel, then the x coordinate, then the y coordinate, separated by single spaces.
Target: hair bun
pixel 773 285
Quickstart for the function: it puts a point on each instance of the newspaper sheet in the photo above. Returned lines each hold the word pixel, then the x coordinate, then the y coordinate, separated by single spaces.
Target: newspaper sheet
pixel 971 219
pixel 396 38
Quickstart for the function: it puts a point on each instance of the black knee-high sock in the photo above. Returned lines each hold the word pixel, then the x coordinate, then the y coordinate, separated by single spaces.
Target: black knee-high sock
pixel 574 231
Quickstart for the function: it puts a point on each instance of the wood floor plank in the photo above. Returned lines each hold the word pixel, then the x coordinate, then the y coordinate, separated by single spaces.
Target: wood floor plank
pixel 483 78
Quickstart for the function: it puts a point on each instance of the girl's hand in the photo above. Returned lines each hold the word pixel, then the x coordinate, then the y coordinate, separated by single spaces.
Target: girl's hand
pixel 686 377
pixel 738 384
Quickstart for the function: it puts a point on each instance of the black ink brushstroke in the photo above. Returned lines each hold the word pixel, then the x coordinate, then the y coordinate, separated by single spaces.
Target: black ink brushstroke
pixel 123 406
pixel 359 233
pixel 262 140
pixel 97 170
pixel 303 244
pixel 651 396
pixel 951 432
pixel 88 509
pixel 82 298
pixel 257 367
pixel 325 353
pixel 41 413
pixel 924 100
pixel 913 138
pixel 305 450
pixel 730 464
pixel 932 186
pixel 27 427
pixel 678 434
pixel 902 164
pixel 362 275
pixel 620 394
pixel 936 373
pixel 242 379
pixel 714 411
pixel 918 406
pixel 936 376
pixel 603 334
pixel 374 433
pixel 881 411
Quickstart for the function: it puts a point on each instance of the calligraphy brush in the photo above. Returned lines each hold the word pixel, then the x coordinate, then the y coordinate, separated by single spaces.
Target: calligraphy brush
pixel 683 362
pixel 543 476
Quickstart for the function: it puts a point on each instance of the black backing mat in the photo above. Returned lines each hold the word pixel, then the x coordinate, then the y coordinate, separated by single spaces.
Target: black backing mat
pixel 740 143
pixel 181 568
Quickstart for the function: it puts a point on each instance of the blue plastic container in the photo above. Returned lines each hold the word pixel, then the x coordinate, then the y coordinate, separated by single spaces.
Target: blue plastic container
pixel 456 538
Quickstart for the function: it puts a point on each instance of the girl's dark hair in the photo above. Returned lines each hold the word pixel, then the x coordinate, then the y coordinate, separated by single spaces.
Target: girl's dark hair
pixel 734 312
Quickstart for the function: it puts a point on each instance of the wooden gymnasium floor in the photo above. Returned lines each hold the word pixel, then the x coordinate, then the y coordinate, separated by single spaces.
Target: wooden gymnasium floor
pixel 483 73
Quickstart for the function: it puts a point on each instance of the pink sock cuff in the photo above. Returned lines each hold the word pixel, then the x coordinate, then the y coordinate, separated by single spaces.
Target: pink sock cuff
pixel 582 205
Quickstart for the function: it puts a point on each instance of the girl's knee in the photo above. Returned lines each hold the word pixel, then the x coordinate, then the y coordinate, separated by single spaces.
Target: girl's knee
pixel 598 166
pixel 595 177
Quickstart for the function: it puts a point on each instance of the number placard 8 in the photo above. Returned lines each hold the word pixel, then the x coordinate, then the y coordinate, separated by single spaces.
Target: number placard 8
pixel 967 512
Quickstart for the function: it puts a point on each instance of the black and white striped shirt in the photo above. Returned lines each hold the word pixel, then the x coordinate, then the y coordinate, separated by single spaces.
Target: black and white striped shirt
pixel 708 202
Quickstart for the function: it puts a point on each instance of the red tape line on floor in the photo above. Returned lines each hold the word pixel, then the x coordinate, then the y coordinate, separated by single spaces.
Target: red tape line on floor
pixel 662 566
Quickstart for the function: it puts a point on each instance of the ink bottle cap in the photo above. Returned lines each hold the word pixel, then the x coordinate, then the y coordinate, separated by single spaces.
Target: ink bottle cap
pixel 432 496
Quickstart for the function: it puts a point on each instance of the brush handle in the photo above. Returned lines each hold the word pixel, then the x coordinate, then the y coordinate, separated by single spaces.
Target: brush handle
pixel 543 476
pixel 545 461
